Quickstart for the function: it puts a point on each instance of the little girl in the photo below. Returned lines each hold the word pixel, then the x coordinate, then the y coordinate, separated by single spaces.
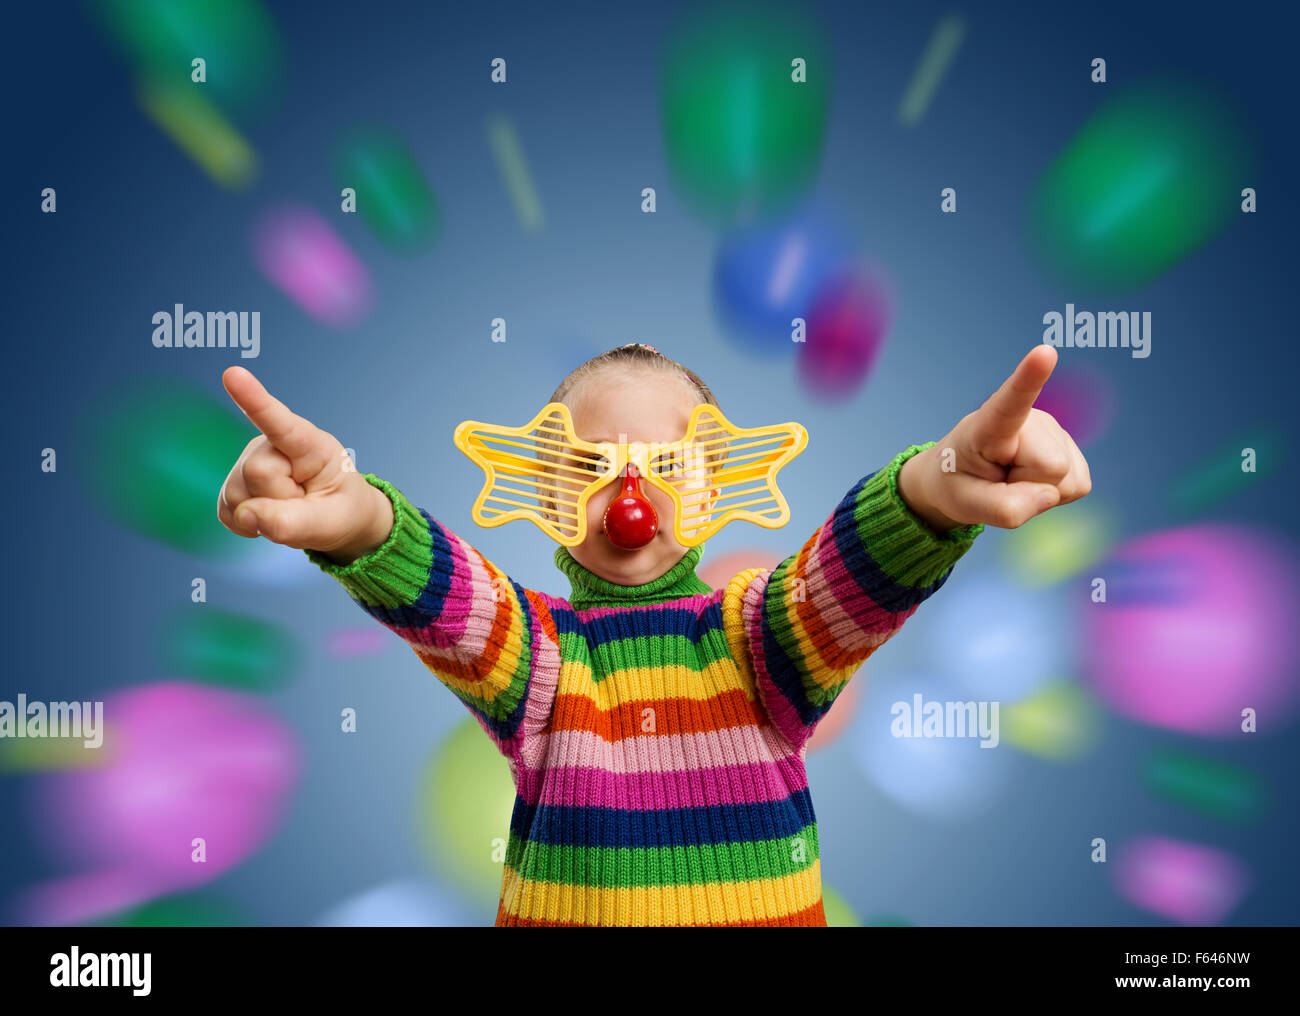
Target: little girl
pixel 655 729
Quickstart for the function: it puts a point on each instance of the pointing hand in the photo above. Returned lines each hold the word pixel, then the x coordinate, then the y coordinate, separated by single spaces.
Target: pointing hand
pixel 295 485
pixel 1002 464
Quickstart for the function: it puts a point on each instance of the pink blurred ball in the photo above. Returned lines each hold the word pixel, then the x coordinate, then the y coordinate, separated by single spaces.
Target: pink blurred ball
pixel 847 325
pixel 1199 624
pixel 1080 400
pixel 185 761
pixel 718 571
pixel 1185 882
pixel 299 251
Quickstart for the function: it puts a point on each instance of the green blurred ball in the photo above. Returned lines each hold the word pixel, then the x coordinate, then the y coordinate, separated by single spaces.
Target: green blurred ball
pixel 392 193
pixel 219 647
pixel 154 453
pixel 743 138
pixel 839 914
pixel 184 910
pixel 466 798
pixel 1153 175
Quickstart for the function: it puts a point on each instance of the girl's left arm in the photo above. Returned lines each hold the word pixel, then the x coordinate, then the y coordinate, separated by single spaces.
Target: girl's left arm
pixel 806 626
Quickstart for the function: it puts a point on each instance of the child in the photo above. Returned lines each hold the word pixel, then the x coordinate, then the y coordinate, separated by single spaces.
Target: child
pixel 655 728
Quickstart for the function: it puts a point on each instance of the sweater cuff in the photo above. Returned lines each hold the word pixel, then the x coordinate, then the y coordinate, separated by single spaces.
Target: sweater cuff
pixel 395 573
pixel 902 545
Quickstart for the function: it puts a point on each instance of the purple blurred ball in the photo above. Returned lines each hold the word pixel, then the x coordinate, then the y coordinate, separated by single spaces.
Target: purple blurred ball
pixel 765 275
pixel 1080 400
pixel 183 761
pixel 847 325
pixel 1198 625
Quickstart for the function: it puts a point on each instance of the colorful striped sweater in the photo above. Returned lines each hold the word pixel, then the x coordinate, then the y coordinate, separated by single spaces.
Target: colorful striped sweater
pixel 656 733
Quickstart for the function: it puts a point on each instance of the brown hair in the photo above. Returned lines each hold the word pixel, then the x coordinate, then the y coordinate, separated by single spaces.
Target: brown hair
pixel 634 354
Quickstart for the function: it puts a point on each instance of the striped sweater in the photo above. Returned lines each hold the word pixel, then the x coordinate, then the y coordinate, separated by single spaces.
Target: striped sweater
pixel 656 733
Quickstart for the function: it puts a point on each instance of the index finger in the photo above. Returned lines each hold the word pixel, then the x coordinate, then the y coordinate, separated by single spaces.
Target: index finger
pixel 1007 409
pixel 285 430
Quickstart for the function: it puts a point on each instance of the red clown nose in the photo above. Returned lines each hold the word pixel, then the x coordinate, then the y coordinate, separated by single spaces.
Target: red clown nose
pixel 630 520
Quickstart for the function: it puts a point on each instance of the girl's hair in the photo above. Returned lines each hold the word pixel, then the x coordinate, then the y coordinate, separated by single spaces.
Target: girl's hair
pixel 628 359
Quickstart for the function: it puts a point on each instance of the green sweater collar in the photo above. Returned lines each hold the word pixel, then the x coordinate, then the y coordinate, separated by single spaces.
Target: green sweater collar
pixel 590 590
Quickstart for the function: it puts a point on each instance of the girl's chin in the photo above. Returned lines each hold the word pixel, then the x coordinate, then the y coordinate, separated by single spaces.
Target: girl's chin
pixel 627 560
pixel 624 553
pixel 624 566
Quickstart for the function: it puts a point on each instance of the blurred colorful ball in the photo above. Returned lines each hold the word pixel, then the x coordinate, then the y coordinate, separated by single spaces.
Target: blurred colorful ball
pixel 188 762
pixel 1061 722
pixel 767 275
pixel 200 130
pixel 847 325
pixel 300 253
pixel 1185 882
pixel 365 641
pixel 237 40
pixel 718 571
pixel 392 193
pixel 1153 175
pixel 1198 625
pixel 267 564
pixel 466 799
pixel 1080 400
pixel 405 903
pixel 997 640
pixel 943 779
pixel 1220 474
pixel 743 137
pixel 220 647
pixel 1060 544
pixel 156 452
pixel 1226 792
pixel 191 761
pixel 184 910
pixel 839 914
pixel 44 754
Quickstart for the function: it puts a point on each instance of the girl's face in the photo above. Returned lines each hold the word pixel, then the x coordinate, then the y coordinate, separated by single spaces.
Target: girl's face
pixel 653 407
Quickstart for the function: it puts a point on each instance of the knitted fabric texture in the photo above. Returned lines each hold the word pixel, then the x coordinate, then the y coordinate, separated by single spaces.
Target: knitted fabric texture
pixel 656 734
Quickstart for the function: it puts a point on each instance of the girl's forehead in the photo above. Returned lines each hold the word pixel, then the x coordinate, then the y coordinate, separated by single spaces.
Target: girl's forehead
pixel 649 408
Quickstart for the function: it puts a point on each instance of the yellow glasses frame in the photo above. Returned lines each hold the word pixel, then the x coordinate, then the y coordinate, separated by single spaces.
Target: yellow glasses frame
pixel 545 473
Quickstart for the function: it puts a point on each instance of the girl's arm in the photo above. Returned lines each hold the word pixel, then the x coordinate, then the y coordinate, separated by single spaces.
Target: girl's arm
pixel 806 626
pixel 488 639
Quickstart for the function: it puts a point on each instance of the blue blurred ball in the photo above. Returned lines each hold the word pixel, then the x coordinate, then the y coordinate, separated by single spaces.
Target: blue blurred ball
pixel 943 779
pixel 996 639
pixel 406 903
pixel 766 274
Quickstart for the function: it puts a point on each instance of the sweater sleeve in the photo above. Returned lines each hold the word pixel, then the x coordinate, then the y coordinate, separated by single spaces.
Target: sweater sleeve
pixel 807 625
pixel 488 639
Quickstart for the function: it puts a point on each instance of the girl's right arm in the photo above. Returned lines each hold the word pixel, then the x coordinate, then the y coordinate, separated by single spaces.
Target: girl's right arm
pixel 492 642
pixel 488 639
